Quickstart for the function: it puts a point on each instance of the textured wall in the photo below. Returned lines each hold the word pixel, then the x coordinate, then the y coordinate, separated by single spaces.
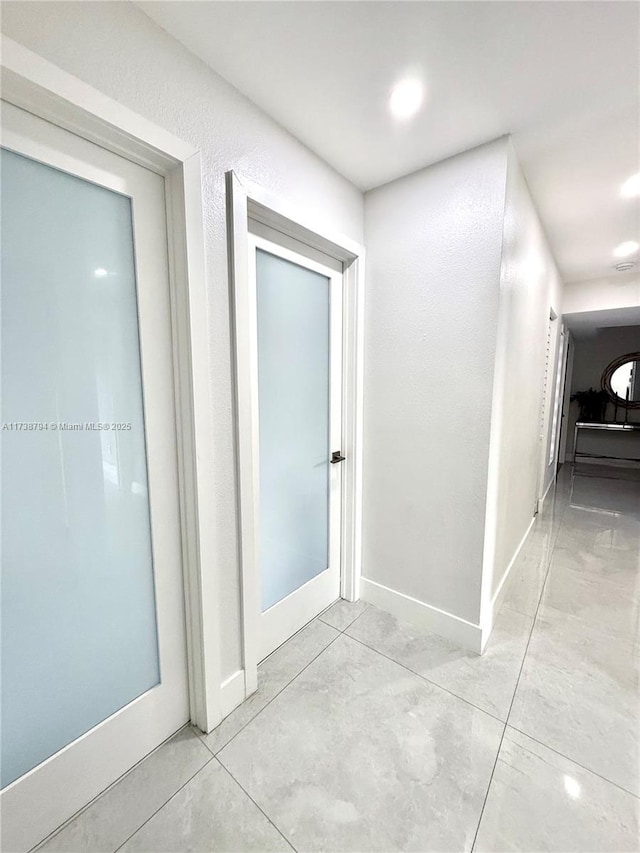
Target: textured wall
pixel 529 288
pixel 433 258
pixel 117 49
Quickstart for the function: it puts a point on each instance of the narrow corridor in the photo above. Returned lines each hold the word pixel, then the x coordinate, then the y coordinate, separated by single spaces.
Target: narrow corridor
pixel 367 734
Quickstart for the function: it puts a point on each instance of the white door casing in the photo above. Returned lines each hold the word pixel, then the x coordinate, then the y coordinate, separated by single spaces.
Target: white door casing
pixel 248 206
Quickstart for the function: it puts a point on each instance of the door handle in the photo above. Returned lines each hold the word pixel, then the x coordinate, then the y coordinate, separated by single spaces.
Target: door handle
pixel 336 456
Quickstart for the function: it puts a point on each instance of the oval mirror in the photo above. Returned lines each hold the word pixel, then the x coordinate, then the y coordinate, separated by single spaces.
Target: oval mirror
pixel 621 380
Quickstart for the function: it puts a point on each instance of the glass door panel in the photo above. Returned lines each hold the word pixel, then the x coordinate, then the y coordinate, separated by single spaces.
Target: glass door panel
pixel 79 635
pixel 293 319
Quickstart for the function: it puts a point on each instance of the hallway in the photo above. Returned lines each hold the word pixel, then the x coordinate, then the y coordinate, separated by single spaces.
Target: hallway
pixel 366 734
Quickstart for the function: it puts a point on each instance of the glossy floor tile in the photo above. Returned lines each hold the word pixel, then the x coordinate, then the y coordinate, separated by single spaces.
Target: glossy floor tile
pixel 273 676
pixel 579 694
pixel 211 813
pixel 341 614
pixel 487 681
pixel 360 754
pixel 525 588
pixel 612 540
pixel 109 821
pixel 539 800
pixel 368 734
pixel 609 604
pixel 579 691
pixel 604 565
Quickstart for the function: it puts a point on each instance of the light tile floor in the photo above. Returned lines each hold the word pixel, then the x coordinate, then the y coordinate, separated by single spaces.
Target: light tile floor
pixel 368 734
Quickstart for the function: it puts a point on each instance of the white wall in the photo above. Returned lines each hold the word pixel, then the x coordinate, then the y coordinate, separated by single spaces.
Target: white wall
pixel 433 267
pixel 117 49
pixel 530 288
pixel 593 353
pixel 620 290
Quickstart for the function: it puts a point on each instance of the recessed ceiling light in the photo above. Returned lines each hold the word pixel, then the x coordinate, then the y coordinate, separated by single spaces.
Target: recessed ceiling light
pixel 100 272
pixel 631 187
pixel 626 249
pixel 406 98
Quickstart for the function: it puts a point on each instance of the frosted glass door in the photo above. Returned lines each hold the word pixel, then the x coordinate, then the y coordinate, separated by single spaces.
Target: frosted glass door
pixel 79 634
pixel 94 671
pixel 293 313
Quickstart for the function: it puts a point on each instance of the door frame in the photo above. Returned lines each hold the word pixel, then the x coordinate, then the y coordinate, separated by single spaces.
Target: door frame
pixel 33 84
pixel 566 399
pixel 546 405
pixel 246 201
pixel 562 362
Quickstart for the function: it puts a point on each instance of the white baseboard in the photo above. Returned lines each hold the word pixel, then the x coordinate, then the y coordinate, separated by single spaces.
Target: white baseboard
pixel 546 492
pixel 468 635
pixel 233 692
pixel 495 604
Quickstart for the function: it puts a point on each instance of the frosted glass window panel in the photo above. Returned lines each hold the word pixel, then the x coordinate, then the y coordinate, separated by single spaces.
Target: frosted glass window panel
pixel 293 390
pixel 79 638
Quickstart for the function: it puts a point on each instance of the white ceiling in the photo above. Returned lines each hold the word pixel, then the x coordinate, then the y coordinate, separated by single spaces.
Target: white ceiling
pixel 562 77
